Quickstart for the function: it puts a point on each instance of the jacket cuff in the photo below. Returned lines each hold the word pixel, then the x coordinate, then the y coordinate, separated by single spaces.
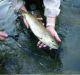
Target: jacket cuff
pixel 50 21
pixel 51 12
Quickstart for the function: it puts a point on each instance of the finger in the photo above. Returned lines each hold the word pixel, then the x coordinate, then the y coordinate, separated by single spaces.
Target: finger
pixel 57 37
pixel 2 38
pixel 3 34
pixel 44 45
pixel 26 23
pixel 41 45
pixel 38 43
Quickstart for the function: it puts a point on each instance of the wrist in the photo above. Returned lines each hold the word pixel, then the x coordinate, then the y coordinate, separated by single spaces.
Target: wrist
pixel 50 26
pixel 50 22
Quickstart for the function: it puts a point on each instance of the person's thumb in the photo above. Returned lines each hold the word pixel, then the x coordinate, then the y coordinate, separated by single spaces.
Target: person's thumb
pixel 56 36
pixel 3 34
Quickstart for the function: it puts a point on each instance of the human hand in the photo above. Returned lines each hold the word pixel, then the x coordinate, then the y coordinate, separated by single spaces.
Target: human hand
pixel 3 35
pixel 53 33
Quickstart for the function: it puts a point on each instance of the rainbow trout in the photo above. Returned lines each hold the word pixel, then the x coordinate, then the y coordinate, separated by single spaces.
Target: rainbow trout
pixel 39 30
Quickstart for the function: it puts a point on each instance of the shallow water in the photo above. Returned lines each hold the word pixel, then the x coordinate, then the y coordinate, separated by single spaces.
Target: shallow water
pixel 70 56
pixel 35 60
pixel 32 60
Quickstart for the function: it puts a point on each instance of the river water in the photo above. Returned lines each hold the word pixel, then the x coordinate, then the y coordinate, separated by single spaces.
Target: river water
pixel 32 60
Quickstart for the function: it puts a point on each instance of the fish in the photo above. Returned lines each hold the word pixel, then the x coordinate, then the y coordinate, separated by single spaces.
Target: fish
pixel 39 30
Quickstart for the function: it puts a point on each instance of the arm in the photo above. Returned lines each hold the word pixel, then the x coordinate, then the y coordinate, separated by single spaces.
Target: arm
pixel 51 12
pixel 17 4
pixel 51 8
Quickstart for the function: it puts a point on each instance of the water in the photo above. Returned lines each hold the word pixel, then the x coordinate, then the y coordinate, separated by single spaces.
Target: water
pixel 32 60
pixel 71 48
pixel 35 60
